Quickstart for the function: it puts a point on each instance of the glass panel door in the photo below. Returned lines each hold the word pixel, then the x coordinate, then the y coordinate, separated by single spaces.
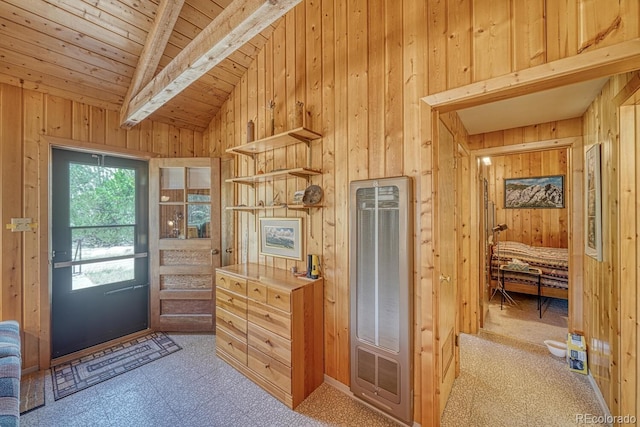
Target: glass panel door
pixel 99 241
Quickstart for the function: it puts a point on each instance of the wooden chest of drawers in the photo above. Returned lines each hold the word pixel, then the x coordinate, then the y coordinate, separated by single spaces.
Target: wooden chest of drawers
pixel 269 326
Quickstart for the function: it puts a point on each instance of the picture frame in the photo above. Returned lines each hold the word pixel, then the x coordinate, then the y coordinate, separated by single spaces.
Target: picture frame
pixel 281 237
pixel 593 204
pixel 524 193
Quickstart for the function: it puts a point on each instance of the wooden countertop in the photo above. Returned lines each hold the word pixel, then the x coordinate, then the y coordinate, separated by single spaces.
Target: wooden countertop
pixel 272 276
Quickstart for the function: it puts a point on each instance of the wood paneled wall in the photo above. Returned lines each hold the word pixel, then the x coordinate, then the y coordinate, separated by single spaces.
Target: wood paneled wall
pixel 27 119
pixel 629 257
pixel 536 227
pixel 359 67
pixel 610 286
pixel 474 40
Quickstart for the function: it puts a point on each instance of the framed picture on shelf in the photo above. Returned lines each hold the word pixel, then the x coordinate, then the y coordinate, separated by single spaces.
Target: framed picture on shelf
pixel 281 237
pixel 534 193
pixel 593 205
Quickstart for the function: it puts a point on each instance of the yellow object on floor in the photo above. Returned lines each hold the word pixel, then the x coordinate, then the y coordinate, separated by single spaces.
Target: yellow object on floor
pixel 577 353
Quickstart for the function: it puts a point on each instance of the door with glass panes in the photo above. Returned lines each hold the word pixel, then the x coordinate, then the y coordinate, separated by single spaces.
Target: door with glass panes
pixel 99 238
pixel 184 205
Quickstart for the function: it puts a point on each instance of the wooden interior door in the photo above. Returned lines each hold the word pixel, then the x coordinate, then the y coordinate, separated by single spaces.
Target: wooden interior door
pixel 446 295
pixel 185 216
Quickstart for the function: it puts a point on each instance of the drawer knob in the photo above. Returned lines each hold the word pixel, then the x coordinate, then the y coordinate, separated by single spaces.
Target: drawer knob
pixel 266 366
pixel 230 323
pixel 267 341
pixel 277 296
pixel 230 344
pixel 256 290
pixel 266 315
pixel 229 299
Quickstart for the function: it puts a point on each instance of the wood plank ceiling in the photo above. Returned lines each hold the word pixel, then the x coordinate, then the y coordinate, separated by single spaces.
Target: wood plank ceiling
pixel 88 51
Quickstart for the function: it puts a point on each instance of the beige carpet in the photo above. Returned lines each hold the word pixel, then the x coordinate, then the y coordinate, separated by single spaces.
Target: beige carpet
pixel 521 321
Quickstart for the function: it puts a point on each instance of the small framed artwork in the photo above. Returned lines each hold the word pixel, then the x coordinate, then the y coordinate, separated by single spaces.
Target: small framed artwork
pixel 281 237
pixel 542 192
pixel 593 208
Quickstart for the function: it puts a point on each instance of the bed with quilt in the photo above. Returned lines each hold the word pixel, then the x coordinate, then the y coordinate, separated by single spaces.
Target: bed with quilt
pixel 553 262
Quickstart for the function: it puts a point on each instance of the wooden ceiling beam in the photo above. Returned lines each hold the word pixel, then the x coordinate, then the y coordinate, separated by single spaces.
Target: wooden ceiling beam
pixel 157 39
pixel 234 26
pixel 603 62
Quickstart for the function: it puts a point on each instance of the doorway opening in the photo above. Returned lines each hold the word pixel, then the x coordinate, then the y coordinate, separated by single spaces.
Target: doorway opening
pixel 526 215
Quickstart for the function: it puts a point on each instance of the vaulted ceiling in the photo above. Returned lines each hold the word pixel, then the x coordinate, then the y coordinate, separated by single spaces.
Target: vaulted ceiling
pixel 89 51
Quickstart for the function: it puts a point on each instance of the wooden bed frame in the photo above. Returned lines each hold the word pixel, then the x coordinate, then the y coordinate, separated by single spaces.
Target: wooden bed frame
pixel 521 288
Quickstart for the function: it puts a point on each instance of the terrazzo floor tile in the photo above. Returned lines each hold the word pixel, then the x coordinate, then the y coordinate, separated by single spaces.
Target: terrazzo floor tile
pixel 193 388
pixel 510 386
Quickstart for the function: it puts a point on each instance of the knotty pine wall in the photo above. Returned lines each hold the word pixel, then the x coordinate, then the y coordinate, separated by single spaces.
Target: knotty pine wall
pixel 536 227
pixel 27 119
pixel 610 286
pixel 359 67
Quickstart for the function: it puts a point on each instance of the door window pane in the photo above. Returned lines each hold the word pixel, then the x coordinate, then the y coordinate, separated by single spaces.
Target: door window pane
pixel 102 242
pixel 172 222
pixel 199 177
pixel 102 214
pixel 101 195
pixel 102 273
pixel 172 184
pixel 199 221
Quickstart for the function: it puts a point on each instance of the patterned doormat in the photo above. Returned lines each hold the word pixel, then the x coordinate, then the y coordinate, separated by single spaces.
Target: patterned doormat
pixel 82 373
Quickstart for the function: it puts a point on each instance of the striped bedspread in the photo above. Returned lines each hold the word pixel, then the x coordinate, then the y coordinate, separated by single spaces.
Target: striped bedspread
pixel 553 262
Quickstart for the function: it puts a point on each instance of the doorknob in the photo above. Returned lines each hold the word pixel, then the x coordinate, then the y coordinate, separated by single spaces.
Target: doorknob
pixel 444 278
pixel 215 251
pixel 228 250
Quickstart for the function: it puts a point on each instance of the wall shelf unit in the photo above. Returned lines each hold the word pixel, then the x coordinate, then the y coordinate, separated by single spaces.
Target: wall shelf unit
pixel 266 208
pixel 305 173
pixel 291 137
pixel 284 139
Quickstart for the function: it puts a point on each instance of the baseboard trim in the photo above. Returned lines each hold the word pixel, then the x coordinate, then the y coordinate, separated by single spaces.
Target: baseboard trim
pixel 599 396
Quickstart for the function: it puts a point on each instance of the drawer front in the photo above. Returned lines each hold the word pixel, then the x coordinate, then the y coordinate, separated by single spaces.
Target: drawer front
pixel 269 318
pixel 270 369
pixel 279 299
pixel 231 346
pixel 270 344
pixel 234 324
pixel 231 302
pixel 232 283
pixel 257 291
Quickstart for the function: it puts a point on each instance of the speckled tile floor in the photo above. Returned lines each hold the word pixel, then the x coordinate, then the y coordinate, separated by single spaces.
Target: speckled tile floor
pixel 499 385
pixel 191 388
pixel 504 382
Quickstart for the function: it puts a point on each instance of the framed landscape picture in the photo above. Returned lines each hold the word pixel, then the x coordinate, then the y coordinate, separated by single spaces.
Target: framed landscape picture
pixel 281 237
pixel 542 192
pixel 593 221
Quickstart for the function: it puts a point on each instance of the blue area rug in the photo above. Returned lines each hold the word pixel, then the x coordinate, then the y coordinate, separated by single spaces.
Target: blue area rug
pixel 82 373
